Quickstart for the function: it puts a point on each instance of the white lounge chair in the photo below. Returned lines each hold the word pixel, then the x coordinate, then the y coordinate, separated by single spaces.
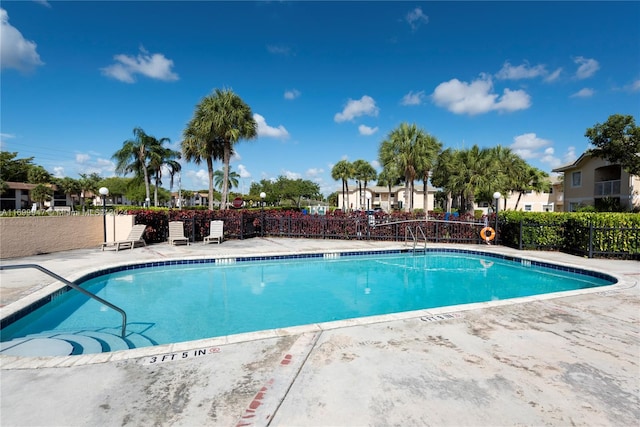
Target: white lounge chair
pixel 176 233
pixel 134 238
pixel 216 232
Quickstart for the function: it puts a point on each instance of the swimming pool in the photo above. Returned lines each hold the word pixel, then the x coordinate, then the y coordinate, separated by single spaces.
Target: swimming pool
pixel 186 300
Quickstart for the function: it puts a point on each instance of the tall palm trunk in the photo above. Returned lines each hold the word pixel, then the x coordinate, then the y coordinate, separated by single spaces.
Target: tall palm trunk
pixel 407 196
pixel 225 169
pixel 210 170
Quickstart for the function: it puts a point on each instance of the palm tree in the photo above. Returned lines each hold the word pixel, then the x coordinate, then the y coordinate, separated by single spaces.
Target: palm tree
pixel 218 176
pixel 344 171
pixel 220 120
pixel 470 173
pixel 41 193
pixel 402 149
pixel 534 180
pixel 88 183
pixel 68 186
pixel 159 157
pixel 427 149
pixel 441 174
pixel 364 173
pixel 135 155
pixel 197 146
pixel 389 177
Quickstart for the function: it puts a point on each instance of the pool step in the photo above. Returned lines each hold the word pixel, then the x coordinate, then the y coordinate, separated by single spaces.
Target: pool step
pixel 67 343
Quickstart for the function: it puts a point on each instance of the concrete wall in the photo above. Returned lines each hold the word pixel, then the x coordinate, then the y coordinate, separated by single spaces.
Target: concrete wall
pixel 33 235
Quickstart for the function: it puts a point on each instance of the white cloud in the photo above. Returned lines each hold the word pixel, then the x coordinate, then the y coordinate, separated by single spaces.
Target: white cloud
pixel 376 164
pixel 15 51
pixel 314 172
pixel 155 66
pixel 413 98
pixel 279 50
pixel 570 156
pixel 522 71
pixel 82 158
pixel 356 108
pixel 58 172
pixel 291 94
pixel 291 175
pixel 366 130
pixel 530 147
pixel 243 172
pixel 267 131
pixel 587 67
pixel 633 86
pixel 3 137
pixel 200 178
pixel 553 76
pixel 583 93
pixel 415 18
pixel 45 3
pixel 477 97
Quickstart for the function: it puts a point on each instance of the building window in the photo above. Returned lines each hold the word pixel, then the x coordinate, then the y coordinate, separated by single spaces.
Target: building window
pixel 527 208
pixel 573 206
pixel 576 179
pixel 547 208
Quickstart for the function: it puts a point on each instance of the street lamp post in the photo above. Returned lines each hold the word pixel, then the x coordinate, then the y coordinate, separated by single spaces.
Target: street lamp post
pixel 497 196
pixel 263 195
pixel 104 192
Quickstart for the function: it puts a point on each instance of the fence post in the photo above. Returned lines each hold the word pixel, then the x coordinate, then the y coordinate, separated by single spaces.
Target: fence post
pixel 520 238
pixel 590 239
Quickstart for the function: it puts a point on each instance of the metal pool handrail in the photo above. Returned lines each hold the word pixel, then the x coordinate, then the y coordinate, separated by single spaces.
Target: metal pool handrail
pixel 74 286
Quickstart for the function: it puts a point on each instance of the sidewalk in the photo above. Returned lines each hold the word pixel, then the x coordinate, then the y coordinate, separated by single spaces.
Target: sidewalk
pixel 547 361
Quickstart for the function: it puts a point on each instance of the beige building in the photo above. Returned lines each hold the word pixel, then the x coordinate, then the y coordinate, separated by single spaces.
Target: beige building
pixel 593 181
pixel 380 197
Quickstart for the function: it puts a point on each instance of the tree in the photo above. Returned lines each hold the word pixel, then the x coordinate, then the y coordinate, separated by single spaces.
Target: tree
pixel 218 176
pixel 389 177
pixel 402 148
pixel 68 185
pixel 135 155
pixel 508 172
pixel 220 121
pixel 12 169
pixel 88 183
pixel 363 173
pixel 617 140
pixel 469 174
pixel 441 175
pixel 534 180
pixel 427 149
pixel 162 156
pixel 41 193
pixel 343 171
pixel 38 175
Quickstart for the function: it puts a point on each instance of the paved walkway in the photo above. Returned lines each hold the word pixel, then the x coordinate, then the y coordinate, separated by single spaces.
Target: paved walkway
pixel 569 360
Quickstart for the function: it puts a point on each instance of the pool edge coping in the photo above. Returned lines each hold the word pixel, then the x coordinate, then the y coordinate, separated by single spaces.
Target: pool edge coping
pixel 25 362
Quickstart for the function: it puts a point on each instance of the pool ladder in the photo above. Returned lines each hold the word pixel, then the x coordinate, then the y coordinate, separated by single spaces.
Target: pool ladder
pixel 414 236
pixel 73 286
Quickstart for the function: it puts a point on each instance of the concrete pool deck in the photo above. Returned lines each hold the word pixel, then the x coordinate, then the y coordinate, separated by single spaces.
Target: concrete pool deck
pixel 572 359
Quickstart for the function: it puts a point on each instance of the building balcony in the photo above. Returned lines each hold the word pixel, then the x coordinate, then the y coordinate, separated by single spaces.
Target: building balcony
pixel 607 188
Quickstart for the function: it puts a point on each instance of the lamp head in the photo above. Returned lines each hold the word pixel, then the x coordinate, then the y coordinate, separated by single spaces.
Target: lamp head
pixel 497 195
pixel 263 195
pixel 104 191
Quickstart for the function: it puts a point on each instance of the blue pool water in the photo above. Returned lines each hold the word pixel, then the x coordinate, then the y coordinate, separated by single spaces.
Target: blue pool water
pixel 175 303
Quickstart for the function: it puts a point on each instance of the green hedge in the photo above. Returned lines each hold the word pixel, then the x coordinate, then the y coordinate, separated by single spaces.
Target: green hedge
pixel 587 233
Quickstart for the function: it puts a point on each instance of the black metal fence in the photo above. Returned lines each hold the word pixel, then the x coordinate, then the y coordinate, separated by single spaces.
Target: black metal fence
pixel 556 234
pixel 572 237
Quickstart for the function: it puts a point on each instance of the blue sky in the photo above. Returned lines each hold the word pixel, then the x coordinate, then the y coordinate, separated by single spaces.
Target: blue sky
pixel 325 80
